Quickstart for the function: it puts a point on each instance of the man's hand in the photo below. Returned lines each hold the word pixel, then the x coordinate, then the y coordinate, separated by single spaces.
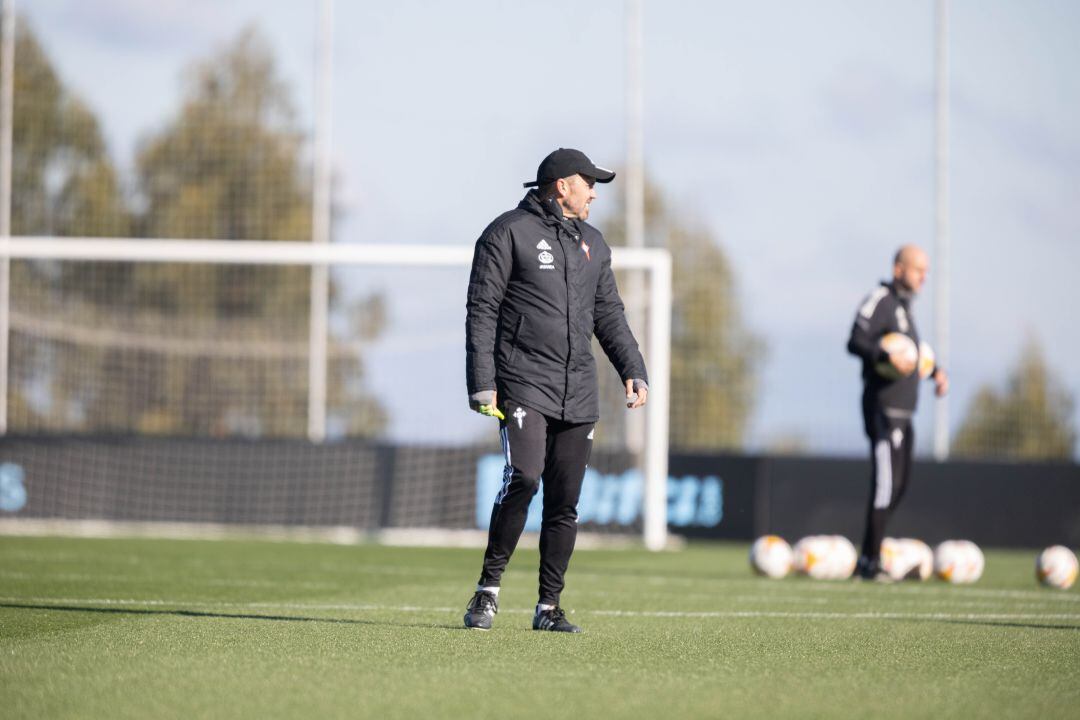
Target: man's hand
pixel 941 382
pixel 485 403
pixel 637 393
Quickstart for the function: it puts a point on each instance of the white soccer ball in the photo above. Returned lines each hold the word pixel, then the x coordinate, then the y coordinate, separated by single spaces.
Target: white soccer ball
pixel 927 361
pixel 906 559
pixel 825 557
pixel 770 555
pixel 893 343
pixel 958 561
pixel 1057 567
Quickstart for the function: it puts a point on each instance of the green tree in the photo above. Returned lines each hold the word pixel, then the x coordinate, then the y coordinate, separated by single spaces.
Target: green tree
pixel 63 183
pixel 186 349
pixel 230 166
pixel 714 356
pixel 1030 419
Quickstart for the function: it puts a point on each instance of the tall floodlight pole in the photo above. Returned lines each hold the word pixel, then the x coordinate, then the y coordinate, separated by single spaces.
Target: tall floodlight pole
pixel 635 191
pixel 646 434
pixel 941 216
pixel 320 226
pixel 7 116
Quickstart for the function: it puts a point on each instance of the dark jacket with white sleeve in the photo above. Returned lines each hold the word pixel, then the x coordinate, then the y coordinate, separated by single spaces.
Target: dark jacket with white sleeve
pixel 540 287
pixel 887 309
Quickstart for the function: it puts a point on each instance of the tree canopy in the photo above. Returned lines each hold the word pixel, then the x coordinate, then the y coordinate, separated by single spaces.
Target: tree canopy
pixel 714 355
pixel 1030 418
pixel 176 348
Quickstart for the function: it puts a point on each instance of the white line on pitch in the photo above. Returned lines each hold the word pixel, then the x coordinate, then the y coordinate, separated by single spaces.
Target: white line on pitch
pixel 718 614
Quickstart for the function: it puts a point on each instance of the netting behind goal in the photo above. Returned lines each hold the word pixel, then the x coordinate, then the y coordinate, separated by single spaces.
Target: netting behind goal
pixel 178 390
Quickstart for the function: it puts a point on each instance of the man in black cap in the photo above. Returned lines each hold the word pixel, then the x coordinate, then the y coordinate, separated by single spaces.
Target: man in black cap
pixel 541 286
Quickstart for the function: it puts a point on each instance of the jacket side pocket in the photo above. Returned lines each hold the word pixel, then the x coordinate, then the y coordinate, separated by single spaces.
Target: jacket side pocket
pixel 514 340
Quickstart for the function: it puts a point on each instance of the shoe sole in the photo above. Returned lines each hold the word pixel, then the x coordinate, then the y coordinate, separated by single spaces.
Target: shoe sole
pixel 561 632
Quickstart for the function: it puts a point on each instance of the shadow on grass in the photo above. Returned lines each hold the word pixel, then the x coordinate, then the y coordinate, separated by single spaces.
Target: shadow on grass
pixel 1013 624
pixel 227 616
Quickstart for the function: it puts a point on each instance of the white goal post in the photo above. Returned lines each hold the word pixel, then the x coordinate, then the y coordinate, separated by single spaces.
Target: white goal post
pixel 657 313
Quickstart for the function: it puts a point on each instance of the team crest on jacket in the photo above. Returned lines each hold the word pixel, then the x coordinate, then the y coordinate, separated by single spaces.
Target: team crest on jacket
pixel 546 260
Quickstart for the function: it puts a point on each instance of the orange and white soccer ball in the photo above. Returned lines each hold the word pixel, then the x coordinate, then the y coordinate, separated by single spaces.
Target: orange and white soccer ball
pixel 893 343
pixel 771 556
pixel 907 559
pixel 927 361
pixel 1057 567
pixel 825 557
pixel 958 561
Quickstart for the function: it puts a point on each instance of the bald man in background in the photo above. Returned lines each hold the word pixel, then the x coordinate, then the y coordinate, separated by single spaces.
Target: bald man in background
pixel 888 404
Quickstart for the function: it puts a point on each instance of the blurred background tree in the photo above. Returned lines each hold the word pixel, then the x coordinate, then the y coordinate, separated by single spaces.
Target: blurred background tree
pixel 63 181
pixel 182 349
pixel 1029 419
pixel 714 355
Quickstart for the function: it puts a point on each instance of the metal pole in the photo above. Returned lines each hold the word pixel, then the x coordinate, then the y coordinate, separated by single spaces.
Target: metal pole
pixel 941 229
pixel 320 227
pixel 634 292
pixel 654 508
pixel 635 181
pixel 7 116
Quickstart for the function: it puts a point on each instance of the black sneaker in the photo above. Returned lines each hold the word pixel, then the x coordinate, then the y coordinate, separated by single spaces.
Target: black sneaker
pixel 554 620
pixel 481 610
pixel 870 569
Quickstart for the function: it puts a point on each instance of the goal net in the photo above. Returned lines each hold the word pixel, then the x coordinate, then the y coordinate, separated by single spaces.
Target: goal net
pixel 226 384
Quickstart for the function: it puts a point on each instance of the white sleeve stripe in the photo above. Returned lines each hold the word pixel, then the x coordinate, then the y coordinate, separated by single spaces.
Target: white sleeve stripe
pixel 870 304
pixel 883 480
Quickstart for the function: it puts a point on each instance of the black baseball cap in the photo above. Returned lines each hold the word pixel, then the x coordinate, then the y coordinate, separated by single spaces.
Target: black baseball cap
pixel 565 162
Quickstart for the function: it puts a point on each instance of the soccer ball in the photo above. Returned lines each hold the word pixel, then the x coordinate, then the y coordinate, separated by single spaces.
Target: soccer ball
pixel 770 555
pixel 958 561
pixel 1056 567
pixel 906 559
pixel 893 343
pixel 926 359
pixel 825 557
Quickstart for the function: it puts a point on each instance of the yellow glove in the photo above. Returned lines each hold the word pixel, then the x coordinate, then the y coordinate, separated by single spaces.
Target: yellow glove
pixel 491 411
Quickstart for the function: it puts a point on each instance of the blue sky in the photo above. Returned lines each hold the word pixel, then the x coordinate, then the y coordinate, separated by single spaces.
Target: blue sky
pixel 799 134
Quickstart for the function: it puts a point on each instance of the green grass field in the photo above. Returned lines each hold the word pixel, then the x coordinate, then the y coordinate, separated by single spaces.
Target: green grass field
pixel 164 629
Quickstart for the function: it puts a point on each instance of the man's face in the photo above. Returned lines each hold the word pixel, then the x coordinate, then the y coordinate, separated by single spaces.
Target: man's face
pixel 911 271
pixel 577 193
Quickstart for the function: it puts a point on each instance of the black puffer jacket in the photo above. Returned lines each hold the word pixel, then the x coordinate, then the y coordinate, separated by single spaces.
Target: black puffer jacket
pixel 541 286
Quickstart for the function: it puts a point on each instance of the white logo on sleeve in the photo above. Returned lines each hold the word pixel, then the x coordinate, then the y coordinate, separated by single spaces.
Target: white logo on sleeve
pixel 871 302
pixel 543 245
pixel 520 415
pixel 590 435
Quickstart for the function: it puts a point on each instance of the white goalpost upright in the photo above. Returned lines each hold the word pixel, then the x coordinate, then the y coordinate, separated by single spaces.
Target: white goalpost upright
pixel 656 264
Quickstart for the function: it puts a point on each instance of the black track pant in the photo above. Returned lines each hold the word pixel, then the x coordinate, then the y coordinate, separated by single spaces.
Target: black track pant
pixel 891 441
pixel 536 446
